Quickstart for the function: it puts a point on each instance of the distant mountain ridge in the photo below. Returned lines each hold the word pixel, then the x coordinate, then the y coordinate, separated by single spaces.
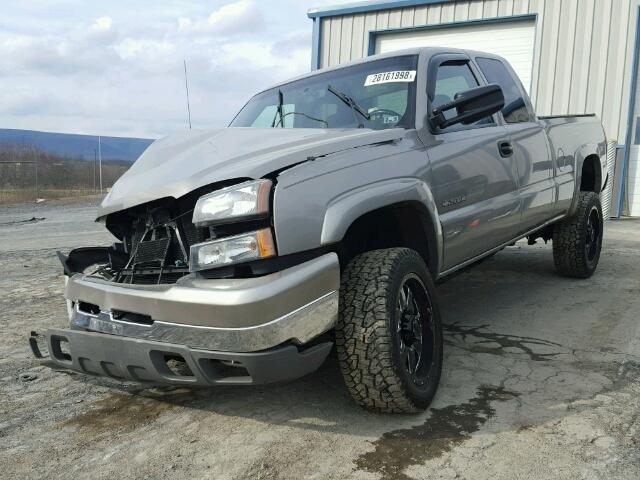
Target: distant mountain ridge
pixel 75 145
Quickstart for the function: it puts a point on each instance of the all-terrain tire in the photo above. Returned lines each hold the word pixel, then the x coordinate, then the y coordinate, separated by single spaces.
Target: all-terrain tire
pixel 368 331
pixel 577 241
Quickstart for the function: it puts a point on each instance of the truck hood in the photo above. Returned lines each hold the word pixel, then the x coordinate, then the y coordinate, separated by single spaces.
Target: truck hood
pixel 176 165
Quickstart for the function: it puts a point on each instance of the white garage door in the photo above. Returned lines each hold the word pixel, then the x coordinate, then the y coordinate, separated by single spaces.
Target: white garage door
pixel 513 41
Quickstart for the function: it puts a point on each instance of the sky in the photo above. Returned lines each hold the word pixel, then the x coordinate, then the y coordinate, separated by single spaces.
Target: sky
pixel 115 67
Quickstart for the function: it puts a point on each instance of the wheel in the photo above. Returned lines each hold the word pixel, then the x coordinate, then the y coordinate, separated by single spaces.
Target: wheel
pixel 577 241
pixel 389 335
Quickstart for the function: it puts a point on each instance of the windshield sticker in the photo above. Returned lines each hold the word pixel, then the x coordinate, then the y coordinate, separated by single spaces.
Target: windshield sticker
pixel 389 77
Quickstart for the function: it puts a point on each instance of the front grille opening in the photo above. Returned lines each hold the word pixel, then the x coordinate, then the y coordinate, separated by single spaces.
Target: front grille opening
pixel 151 276
pixel 132 317
pixel 177 365
pixel 39 345
pixel 219 369
pixel 89 308
pixel 156 237
pixel 60 348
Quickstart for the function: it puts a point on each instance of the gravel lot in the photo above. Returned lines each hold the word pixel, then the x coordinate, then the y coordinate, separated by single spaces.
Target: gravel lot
pixel 541 380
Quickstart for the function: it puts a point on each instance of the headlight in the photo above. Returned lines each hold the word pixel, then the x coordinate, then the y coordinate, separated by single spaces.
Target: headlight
pixel 239 202
pixel 237 249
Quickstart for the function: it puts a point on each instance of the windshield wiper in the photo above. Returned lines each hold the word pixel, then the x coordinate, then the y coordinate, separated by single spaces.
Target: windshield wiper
pixel 351 103
pixel 281 121
pixel 279 110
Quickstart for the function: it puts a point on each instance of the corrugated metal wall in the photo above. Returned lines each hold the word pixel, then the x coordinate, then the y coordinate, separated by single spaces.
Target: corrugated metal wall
pixel 606 196
pixel 583 49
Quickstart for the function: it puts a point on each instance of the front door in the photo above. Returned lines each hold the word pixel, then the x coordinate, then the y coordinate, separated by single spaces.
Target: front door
pixel 475 187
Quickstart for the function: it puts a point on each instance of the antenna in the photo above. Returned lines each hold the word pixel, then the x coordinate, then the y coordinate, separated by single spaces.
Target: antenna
pixel 186 86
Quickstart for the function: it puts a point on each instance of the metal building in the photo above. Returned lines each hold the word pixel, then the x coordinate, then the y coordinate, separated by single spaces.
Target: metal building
pixel 573 56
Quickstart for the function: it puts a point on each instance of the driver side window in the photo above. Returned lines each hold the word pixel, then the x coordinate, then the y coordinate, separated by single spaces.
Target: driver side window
pixel 452 78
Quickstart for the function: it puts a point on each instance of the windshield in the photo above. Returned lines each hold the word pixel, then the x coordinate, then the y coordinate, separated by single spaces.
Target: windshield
pixel 376 95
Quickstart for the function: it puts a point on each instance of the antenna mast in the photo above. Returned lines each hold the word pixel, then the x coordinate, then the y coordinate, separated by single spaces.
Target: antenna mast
pixel 186 86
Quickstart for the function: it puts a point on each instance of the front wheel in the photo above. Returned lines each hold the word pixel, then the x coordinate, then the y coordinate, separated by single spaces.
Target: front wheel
pixel 577 241
pixel 389 335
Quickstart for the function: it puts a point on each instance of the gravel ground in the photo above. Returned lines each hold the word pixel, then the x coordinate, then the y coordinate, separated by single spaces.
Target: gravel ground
pixel 541 380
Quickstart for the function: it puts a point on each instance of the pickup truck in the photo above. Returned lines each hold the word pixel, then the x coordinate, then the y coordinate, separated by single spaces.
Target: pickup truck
pixel 323 216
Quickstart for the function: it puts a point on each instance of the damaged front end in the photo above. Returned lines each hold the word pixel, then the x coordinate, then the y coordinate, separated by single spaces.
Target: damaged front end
pixel 137 310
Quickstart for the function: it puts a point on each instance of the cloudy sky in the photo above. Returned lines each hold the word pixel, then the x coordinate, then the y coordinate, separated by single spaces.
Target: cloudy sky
pixel 115 67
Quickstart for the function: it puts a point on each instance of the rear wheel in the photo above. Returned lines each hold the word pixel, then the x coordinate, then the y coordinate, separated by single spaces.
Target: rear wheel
pixel 577 241
pixel 389 336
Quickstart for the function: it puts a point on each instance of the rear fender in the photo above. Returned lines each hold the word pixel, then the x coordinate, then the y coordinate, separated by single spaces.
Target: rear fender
pixel 600 150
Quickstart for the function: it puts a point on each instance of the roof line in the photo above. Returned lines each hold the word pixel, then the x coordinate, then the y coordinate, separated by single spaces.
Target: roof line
pixel 368 6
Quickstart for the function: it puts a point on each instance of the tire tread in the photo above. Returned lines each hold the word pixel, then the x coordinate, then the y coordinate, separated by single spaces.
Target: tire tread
pixel 569 236
pixel 364 344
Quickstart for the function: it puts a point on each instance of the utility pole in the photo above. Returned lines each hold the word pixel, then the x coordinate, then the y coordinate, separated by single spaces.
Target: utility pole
pixel 37 192
pixel 186 86
pixel 100 161
pixel 95 160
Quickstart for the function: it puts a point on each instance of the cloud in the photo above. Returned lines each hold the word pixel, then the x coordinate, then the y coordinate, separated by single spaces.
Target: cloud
pixel 102 24
pixel 232 19
pixel 292 43
pixel 115 68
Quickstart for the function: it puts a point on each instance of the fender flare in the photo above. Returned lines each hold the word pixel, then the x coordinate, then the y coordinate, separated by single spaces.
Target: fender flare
pixel 345 209
pixel 584 151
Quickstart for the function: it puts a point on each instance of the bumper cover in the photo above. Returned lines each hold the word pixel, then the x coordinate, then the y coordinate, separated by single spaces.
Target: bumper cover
pixel 233 315
pixel 145 361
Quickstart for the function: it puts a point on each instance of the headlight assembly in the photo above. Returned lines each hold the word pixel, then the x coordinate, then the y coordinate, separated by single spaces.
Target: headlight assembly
pixel 231 250
pixel 244 201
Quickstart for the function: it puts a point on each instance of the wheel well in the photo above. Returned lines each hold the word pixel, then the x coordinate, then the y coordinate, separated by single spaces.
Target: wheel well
pixel 591 180
pixel 405 224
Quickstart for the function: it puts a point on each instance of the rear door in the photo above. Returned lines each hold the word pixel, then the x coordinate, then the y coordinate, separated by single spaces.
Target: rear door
pixel 474 186
pixel 529 142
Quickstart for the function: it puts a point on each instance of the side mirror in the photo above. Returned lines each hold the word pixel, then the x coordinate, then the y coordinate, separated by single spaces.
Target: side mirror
pixel 471 105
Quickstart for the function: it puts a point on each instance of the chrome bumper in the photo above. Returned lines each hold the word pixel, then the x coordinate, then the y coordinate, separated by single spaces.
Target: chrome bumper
pixel 226 315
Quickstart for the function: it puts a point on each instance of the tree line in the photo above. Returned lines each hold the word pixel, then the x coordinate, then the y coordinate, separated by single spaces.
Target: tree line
pixel 27 172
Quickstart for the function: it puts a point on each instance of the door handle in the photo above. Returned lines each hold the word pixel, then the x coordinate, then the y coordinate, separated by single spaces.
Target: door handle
pixel 505 149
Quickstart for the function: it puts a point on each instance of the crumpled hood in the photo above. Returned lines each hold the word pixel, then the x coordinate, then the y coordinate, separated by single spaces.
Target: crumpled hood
pixel 176 165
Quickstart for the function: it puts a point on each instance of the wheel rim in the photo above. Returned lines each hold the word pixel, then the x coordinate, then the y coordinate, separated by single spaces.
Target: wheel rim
pixel 415 339
pixel 592 235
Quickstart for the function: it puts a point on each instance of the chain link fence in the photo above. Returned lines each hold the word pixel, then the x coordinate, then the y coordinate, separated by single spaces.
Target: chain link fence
pixel 28 174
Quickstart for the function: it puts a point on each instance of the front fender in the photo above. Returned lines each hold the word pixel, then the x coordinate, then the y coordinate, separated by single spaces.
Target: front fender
pixel 325 222
pixel 316 201
pixel 348 207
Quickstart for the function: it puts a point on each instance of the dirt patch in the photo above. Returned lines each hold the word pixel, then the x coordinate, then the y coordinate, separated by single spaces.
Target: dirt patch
pixel 122 412
pixel 446 428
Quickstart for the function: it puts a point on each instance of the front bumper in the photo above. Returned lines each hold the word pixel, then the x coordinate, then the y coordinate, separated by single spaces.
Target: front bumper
pixel 146 361
pixel 232 331
pixel 233 315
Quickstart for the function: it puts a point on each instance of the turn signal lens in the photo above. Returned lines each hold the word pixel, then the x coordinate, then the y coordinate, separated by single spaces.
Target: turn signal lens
pixel 232 250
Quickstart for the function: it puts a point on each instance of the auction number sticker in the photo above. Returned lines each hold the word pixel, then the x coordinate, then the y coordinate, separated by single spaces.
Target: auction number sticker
pixel 389 77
